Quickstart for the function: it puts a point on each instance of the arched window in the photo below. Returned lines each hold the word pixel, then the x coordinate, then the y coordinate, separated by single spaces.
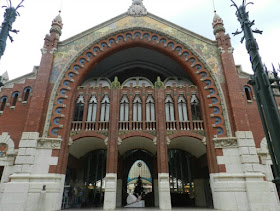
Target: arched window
pixel 169 109
pixel 150 109
pixel 248 93
pixel 3 102
pixel 182 109
pixel 124 109
pixel 79 109
pixel 15 96
pixel 196 115
pixel 26 93
pixel 105 109
pixel 92 108
pixel 137 109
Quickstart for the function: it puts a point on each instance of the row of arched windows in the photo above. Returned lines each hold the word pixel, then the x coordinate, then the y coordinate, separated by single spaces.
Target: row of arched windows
pixel 92 109
pixel 182 108
pixel 137 107
pixel 14 98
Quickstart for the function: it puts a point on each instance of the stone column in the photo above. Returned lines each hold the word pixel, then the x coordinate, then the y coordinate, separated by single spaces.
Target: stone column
pixel 112 154
pixel 163 175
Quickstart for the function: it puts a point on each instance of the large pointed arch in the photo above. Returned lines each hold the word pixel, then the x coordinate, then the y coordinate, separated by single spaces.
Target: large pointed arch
pixel 74 72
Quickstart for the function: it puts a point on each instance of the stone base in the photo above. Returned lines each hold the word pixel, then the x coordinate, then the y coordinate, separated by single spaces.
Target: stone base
pixel 24 192
pixel 242 192
pixel 164 191
pixel 110 196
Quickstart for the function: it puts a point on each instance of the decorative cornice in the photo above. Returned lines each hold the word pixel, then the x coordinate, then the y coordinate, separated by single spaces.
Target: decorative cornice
pixel 227 142
pixel 137 9
pixel 49 143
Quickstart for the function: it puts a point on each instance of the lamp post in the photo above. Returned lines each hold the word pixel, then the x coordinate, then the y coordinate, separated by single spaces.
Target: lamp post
pixel 6 27
pixel 262 87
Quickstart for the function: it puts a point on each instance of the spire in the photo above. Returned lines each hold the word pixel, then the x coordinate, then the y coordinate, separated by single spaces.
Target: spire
pixel 218 24
pixel 137 9
pixel 57 24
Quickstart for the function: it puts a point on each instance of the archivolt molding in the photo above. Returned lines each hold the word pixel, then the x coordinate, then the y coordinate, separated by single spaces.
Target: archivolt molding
pixel 98 48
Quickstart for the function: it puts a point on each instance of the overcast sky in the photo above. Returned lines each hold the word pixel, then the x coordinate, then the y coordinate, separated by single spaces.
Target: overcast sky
pixel 36 16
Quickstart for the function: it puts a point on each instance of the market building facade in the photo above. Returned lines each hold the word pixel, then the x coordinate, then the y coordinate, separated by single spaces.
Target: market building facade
pixel 134 98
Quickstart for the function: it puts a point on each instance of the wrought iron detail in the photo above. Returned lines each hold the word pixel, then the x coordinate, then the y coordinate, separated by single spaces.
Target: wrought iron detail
pixel 9 18
pixel 263 89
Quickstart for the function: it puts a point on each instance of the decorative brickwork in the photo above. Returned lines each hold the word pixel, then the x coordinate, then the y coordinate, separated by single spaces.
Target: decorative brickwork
pixel 75 72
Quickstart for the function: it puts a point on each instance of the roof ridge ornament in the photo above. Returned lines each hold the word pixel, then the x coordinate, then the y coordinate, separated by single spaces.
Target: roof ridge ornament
pixel 137 9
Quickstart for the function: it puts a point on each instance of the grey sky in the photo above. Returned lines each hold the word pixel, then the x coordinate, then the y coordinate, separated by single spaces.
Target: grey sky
pixel 196 16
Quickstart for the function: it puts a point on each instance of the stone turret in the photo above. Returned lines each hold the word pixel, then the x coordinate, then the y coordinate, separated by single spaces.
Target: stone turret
pixel 218 24
pixel 57 25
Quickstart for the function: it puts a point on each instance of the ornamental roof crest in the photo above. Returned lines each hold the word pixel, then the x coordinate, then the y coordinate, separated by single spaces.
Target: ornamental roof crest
pixel 137 8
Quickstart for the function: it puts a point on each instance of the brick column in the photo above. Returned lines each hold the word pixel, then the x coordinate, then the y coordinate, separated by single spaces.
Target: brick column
pixel 162 157
pixel 112 153
pixel 232 89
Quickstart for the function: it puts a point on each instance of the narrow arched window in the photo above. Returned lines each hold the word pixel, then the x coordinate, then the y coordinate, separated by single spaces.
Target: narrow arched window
pixel 169 109
pixel 150 109
pixel 137 109
pixel 182 109
pixel 26 93
pixel 15 96
pixel 92 108
pixel 248 93
pixel 79 109
pixel 3 102
pixel 195 107
pixel 105 109
pixel 124 109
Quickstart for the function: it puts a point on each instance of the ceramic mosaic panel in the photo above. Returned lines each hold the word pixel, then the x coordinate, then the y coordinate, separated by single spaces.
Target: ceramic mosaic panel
pixel 3 150
pixel 207 51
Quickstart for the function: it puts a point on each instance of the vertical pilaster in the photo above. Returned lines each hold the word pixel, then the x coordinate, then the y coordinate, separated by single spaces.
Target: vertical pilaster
pixel 233 91
pixel 110 198
pixel 162 157
pixel 40 93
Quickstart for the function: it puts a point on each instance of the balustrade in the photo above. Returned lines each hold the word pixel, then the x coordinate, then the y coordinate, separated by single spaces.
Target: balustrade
pixel 76 125
pixel 171 125
pixel 198 125
pixel 186 125
pixel 137 125
pixel 123 125
pixel 150 125
pixel 103 125
pixel 90 125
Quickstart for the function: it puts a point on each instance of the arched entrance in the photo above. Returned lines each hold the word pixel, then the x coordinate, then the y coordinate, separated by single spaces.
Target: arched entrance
pixel 85 175
pixel 188 173
pixel 137 157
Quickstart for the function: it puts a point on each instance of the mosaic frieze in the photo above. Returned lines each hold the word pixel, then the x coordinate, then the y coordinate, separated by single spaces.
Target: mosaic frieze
pixel 206 50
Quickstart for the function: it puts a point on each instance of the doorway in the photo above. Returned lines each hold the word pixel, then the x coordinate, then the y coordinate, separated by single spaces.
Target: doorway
pixel 138 174
pixel 85 181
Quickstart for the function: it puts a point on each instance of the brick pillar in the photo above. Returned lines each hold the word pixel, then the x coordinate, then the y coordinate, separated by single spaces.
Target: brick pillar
pixel 232 89
pixel 112 153
pixel 162 157
pixel 40 92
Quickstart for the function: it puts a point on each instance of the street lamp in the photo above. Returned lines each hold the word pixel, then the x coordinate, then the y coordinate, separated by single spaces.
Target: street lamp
pixel 6 27
pixel 267 106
